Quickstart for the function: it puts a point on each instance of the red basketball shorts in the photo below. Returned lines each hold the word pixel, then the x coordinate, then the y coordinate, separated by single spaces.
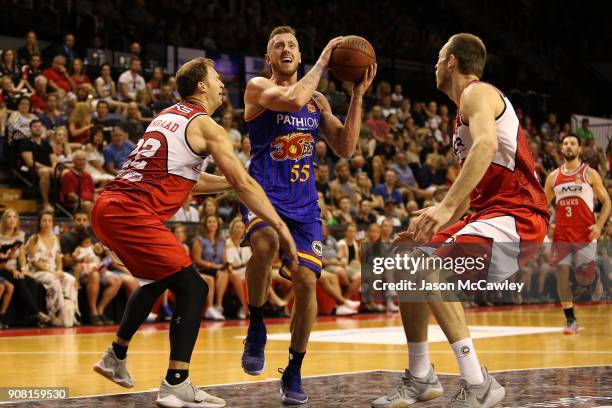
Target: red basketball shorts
pixel 139 238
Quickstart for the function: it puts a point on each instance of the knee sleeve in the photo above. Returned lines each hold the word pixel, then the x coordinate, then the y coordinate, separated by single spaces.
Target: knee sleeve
pixel 187 282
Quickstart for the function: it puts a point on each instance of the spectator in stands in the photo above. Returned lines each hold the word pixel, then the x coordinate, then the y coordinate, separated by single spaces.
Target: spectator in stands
pixel 95 157
pixel 52 117
pixel 207 252
pixel 45 258
pixel 396 96
pixel 245 151
pixel 365 215
pixel 67 48
pixel 392 212
pixel 130 82
pixel 59 143
pixel 387 107
pixel 321 156
pixel 78 76
pixel 145 107
pixel 18 123
pixel 584 133
pixel 322 181
pixel 155 83
pixel 433 172
pixel 14 267
pixel 358 165
pixel 372 237
pixel 377 124
pixel 135 48
pixel 106 89
pixel 9 96
pixel 77 185
pixel 6 295
pixel 133 123
pixel 227 121
pixel 117 152
pixel 338 100
pixel 37 156
pixel 92 272
pixel 395 127
pixel 388 189
pixel 79 123
pixel 9 68
pixel 403 112
pixel 165 100
pixel 102 120
pixel 348 251
pixel 31 71
pixel 237 257
pixel 550 128
pixel 413 155
pixel 343 185
pixel 433 119
pixel 25 53
pixel 39 95
pixel 343 213
pixel 58 77
pixel 187 213
pixel 551 158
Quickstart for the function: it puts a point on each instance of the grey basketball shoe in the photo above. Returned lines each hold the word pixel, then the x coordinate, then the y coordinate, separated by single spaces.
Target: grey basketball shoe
pixel 412 390
pixel 114 369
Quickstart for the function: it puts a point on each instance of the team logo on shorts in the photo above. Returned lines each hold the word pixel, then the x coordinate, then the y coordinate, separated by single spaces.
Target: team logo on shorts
pixel 294 146
pixel 317 248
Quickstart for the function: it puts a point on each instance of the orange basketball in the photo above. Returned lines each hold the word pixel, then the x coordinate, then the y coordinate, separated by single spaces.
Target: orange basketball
pixel 352 58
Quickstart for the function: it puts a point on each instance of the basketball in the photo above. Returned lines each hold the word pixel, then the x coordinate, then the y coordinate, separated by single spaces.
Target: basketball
pixel 352 58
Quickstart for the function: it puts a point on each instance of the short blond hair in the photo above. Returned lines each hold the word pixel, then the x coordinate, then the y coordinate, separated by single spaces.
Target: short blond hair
pixel 280 30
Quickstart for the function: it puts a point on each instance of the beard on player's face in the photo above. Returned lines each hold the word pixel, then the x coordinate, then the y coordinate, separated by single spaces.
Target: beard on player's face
pixel 569 155
pixel 284 68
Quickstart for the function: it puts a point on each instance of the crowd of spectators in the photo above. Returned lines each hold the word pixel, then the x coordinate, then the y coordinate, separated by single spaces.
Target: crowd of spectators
pixel 59 125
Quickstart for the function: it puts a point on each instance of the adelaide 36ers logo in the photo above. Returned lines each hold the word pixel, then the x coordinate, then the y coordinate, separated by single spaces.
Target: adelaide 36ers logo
pixel 293 146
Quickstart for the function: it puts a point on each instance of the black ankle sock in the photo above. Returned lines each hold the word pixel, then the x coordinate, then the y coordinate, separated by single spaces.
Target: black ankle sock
pixel 569 314
pixel 120 351
pixel 295 359
pixel 174 377
pixel 256 314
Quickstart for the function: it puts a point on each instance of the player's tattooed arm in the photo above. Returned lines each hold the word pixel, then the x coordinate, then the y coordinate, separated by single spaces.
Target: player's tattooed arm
pixel 211 184
pixel 269 95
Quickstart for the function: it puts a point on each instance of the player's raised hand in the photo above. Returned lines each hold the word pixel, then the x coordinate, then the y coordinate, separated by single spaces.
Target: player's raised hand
pixel 287 246
pixel 362 86
pixel 327 51
pixel 595 232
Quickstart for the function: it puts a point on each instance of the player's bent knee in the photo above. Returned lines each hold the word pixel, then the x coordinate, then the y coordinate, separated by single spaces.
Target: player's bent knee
pixel 187 282
pixel 264 243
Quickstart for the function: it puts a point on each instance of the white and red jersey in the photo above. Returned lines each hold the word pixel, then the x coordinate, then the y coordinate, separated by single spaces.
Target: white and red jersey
pixel 510 182
pixel 574 204
pixel 162 169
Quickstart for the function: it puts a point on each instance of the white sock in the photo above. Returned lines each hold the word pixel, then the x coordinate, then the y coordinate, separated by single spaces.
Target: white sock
pixel 469 367
pixel 418 359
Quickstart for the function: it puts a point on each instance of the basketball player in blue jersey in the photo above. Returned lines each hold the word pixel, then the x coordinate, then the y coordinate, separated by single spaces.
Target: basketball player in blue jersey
pixel 283 117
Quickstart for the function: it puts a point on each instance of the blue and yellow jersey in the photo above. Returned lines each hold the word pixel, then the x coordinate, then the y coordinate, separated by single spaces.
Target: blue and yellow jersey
pixel 282 151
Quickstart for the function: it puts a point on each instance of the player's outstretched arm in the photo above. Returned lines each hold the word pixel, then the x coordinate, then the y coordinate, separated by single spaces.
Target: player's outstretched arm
pixel 343 138
pixel 265 93
pixel 212 137
pixel 604 198
pixel 211 184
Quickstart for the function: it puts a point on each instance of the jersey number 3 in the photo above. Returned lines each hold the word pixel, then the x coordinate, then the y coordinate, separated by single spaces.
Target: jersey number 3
pixel 145 149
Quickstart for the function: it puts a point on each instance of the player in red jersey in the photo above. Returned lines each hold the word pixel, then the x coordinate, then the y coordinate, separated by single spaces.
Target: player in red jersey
pixel 497 180
pixel 128 217
pixel 574 186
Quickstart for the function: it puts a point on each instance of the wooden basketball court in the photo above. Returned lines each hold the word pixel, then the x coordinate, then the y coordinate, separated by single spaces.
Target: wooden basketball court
pixel 358 357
